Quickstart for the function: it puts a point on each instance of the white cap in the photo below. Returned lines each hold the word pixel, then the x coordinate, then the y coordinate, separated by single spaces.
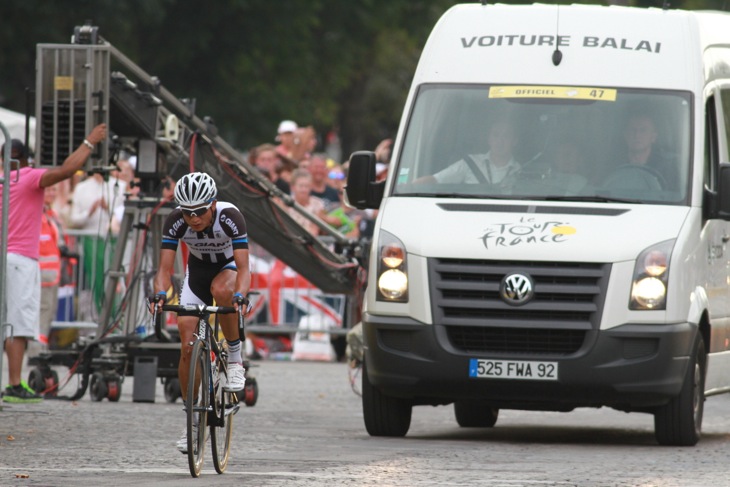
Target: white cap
pixel 287 126
pixel 133 161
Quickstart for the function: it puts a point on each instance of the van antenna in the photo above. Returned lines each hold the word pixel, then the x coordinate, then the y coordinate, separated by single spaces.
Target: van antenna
pixel 557 55
pixel 665 5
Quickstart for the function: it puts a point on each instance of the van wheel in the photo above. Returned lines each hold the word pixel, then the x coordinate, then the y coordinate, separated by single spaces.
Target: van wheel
pixel 384 415
pixel 679 423
pixel 475 414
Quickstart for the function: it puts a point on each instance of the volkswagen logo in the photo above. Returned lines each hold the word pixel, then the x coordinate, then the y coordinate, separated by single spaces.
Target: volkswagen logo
pixel 516 289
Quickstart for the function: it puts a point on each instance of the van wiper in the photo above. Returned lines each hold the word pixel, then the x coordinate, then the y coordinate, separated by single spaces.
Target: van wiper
pixel 597 199
pixel 454 195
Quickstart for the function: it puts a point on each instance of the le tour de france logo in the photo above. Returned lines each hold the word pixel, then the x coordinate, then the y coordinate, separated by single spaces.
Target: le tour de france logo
pixel 526 231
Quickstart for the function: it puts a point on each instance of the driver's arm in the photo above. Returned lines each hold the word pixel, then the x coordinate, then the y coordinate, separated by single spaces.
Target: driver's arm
pixel 427 179
pixel 450 174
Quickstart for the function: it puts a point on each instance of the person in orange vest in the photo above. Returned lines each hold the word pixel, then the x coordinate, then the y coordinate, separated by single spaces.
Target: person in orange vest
pixel 49 260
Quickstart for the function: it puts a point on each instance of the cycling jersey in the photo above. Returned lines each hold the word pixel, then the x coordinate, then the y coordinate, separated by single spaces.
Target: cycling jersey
pixel 211 250
pixel 216 243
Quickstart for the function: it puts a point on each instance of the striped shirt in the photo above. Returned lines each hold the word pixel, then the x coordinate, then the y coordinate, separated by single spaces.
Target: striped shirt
pixel 216 243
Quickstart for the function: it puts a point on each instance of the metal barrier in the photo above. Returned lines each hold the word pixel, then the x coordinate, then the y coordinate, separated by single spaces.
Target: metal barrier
pixel 82 285
pixel 283 301
pixel 4 245
pixel 290 315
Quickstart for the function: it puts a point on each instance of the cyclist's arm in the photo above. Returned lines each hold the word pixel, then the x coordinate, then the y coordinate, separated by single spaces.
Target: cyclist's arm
pixel 243 276
pixel 163 278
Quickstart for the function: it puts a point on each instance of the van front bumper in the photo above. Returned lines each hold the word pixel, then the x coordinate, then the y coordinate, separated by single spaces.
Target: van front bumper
pixel 629 367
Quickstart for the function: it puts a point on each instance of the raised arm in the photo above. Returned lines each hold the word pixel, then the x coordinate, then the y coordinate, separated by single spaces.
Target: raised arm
pixel 76 160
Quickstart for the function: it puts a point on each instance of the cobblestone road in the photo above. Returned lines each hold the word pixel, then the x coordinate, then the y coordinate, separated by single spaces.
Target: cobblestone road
pixel 307 430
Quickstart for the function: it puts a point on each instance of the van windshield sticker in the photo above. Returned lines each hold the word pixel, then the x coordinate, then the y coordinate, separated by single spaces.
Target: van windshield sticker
pixel 564 92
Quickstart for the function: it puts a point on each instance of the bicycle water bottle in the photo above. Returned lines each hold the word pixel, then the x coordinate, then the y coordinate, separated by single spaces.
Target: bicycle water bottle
pixel 141 330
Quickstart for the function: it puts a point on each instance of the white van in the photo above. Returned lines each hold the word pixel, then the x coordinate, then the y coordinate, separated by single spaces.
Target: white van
pixel 553 232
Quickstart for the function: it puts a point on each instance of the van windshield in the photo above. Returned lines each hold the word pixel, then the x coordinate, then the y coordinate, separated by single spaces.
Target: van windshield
pixel 547 142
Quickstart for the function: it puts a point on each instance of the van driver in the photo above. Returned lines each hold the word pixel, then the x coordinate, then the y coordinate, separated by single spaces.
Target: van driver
pixel 494 167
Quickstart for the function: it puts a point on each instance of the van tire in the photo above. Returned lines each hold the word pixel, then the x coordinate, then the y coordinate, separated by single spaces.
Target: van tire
pixel 475 414
pixel 679 423
pixel 384 415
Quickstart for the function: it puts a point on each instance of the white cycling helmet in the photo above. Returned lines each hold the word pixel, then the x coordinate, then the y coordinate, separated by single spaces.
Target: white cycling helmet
pixel 195 190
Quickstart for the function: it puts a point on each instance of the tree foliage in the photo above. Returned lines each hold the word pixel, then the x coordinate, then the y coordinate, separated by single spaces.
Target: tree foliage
pixel 248 63
pixel 251 63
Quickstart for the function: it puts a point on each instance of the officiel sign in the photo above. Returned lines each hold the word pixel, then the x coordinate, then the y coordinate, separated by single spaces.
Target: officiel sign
pixel 560 92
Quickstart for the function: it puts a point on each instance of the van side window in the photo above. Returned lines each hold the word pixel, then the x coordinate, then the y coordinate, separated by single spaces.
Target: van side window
pixel 725 102
pixel 711 149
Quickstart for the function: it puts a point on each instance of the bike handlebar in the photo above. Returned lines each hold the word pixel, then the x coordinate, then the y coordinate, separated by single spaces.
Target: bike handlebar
pixel 200 310
pixel 194 310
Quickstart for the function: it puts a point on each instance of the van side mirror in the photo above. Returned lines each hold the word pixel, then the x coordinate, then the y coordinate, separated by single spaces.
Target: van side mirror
pixel 361 190
pixel 721 207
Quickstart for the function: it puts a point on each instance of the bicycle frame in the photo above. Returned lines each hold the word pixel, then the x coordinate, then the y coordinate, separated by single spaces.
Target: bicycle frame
pixel 213 409
pixel 204 331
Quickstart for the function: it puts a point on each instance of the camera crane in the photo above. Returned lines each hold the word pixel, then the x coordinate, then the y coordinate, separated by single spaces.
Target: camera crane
pixel 88 82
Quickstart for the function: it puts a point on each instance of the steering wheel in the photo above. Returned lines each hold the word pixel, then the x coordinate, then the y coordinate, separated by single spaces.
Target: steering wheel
pixel 632 176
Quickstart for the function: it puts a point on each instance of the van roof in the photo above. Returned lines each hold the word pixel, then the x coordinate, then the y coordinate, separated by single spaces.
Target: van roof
pixel 600 45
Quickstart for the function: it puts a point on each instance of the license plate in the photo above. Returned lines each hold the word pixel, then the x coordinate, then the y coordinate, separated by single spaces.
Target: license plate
pixel 512 369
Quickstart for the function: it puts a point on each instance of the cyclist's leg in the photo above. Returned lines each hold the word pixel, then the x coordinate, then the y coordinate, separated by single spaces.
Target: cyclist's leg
pixel 222 290
pixel 187 326
pixel 195 291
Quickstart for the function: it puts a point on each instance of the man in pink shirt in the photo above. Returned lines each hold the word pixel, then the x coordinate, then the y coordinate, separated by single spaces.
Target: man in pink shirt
pixel 27 186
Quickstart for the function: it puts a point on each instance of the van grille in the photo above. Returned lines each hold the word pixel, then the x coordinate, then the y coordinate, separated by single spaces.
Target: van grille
pixel 517 340
pixel 566 306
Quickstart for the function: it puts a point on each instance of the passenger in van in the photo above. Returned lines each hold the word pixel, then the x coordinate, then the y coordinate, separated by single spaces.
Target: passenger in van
pixel 568 165
pixel 494 167
pixel 640 137
pixel 558 172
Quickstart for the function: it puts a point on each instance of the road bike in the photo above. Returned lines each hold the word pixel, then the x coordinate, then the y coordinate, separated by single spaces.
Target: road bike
pixel 207 403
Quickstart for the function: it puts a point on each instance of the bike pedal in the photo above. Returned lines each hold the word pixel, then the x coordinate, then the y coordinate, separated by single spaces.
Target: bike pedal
pixel 231 409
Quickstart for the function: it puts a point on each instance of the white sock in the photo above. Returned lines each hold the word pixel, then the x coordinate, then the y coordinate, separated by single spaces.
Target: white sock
pixel 234 352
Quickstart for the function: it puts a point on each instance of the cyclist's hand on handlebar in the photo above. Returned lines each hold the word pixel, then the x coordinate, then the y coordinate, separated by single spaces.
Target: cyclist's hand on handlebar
pixel 156 300
pixel 241 300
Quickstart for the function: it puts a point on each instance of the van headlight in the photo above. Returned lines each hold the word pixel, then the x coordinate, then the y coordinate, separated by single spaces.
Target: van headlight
pixel 392 269
pixel 651 272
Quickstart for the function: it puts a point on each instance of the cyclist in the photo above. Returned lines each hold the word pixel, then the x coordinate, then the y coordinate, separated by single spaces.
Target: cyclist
pixel 217 268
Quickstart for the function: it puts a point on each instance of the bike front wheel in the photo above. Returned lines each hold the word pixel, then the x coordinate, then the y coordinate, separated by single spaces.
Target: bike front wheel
pixel 198 402
pixel 221 422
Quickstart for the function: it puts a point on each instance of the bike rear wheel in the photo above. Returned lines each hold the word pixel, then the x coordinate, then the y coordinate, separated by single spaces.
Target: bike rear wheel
pixel 198 401
pixel 221 423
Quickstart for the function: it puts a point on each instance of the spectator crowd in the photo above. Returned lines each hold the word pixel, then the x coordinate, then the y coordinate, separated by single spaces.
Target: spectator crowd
pixel 91 207
pixel 315 180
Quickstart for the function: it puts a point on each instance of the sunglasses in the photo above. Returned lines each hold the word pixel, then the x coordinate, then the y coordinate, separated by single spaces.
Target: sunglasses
pixel 196 212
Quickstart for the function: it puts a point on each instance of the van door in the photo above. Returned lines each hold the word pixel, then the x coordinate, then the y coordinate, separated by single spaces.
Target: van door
pixel 717 138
